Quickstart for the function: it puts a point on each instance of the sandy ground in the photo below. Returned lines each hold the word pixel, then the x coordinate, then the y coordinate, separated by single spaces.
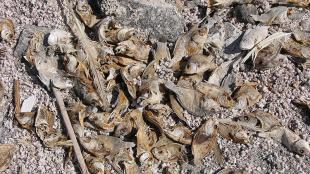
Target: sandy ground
pixel 278 87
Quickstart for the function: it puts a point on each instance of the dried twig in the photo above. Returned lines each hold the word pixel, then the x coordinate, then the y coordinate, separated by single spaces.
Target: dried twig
pixel 17 98
pixel 71 133
pixel 77 27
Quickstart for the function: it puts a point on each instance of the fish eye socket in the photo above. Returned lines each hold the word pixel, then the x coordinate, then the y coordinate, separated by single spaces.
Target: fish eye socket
pixel 246 118
pixel 301 151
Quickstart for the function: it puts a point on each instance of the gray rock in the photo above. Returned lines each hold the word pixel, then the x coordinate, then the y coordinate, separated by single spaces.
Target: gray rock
pixel 158 18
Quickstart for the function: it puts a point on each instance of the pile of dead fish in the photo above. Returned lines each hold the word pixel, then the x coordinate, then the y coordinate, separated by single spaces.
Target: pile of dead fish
pixel 124 89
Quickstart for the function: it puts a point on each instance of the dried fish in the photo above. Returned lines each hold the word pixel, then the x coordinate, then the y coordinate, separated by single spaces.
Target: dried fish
pixel 199 64
pixel 232 132
pixel 149 93
pixel 178 132
pixel 232 171
pixel 122 104
pixel 167 151
pixel 177 108
pixel 243 12
pixel 302 37
pixel 289 139
pixel 253 36
pixel 46 65
pixel 91 53
pixel 247 95
pixel 300 53
pixel 87 94
pixel 225 3
pixel 103 120
pixel 193 101
pixel 189 44
pixel 217 93
pixel 129 75
pixel 62 40
pixel 134 48
pixel 44 128
pixel 6 29
pixel 299 3
pixel 270 57
pixel 205 142
pixel 6 154
pixel 146 139
pixel 257 121
pixel 114 34
pixel 125 126
pixel 161 52
pixel 103 145
pixel 149 72
pixel 95 165
pixel 85 12
pixel 275 15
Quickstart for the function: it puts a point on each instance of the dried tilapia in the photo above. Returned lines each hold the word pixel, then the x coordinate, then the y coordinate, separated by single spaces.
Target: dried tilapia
pixel 177 108
pixel 103 145
pixel 189 44
pixel 149 93
pixel 94 164
pixel 232 132
pixel 302 37
pixel 253 36
pixel 103 120
pixel 275 15
pixel 6 29
pixel 85 12
pixel 289 139
pixel 193 101
pixel 299 3
pixel 225 3
pixel 243 12
pixel 199 64
pixel 134 48
pixel 232 171
pixel 270 57
pixel 246 96
pixel 161 52
pixel 62 40
pixel 205 142
pixel 129 75
pixel 167 151
pixel 178 132
pixel 217 93
pixel 114 34
pixel 257 121
pixel 146 139
pixel 89 47
pixel 300 53
pixel 46 65
pixel 6 154
pixel 26 120
pixel 44 128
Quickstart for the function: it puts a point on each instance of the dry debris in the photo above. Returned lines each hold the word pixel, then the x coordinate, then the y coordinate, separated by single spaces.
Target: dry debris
pixel 6 154
pixel 122 110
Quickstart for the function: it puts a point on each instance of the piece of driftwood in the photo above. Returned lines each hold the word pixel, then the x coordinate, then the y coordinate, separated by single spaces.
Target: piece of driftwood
pixel 76 147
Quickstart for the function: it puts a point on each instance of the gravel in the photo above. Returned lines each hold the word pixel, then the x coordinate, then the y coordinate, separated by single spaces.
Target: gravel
pixel 279 87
